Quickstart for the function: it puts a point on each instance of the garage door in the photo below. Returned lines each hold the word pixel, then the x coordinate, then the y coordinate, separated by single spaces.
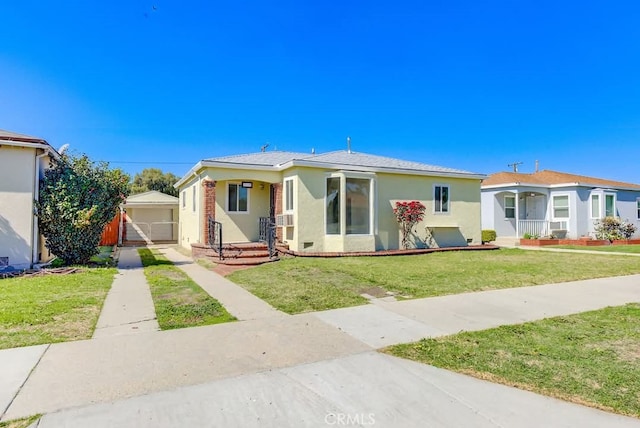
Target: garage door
pixel 154 224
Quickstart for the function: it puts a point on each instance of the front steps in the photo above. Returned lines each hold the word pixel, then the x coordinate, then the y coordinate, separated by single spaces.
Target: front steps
pixel 242 254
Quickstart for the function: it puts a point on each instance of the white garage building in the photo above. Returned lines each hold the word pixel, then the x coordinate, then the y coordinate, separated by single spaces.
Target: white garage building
pixel 150 217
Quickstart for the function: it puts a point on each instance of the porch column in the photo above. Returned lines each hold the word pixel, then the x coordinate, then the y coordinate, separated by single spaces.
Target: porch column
pixel 277 204
pixel 517 214
pixel 209 200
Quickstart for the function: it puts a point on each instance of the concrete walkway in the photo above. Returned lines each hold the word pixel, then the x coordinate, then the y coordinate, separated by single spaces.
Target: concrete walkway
pixel 128 307
pixel 309 370
pixel 238 301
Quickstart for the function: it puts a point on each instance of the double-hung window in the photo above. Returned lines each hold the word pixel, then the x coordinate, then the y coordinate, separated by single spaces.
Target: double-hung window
pixel 561 206
pixel 237 198
pixel 440 199
pixel 509 206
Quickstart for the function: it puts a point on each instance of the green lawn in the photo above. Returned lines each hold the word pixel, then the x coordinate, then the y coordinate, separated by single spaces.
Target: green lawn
pixel 52 308
pixel 606 248
pixel 591 358
pixel 179 301
pixel 295 285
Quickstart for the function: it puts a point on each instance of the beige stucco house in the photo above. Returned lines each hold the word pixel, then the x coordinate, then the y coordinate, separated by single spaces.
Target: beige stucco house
pixel 23 160
pixel 333 202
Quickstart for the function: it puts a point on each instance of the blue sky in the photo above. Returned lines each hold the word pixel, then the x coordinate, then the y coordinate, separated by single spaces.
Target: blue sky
pixel 474 85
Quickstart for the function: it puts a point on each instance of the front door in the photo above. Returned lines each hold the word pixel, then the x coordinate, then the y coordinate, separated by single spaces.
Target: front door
pixel 535 207
pixel 272 201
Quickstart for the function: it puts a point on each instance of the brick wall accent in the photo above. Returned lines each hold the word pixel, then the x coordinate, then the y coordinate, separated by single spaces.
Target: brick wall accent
pixel 209 200
pixel 277 200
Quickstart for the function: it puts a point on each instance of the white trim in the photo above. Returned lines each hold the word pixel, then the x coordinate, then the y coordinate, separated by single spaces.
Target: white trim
pixel 433 193
pixel 556 186
pixel 226 199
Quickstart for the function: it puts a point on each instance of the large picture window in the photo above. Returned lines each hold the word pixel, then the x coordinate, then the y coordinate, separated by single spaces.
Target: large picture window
pixel 237 198
pixel 358 206
pixel 561 206
pixel 333 205
pixel 510 206
pixel 440 199
pixel 288 195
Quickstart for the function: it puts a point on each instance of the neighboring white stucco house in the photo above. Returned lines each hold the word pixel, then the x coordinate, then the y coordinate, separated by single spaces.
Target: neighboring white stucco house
pixel 23 160
pixel 333 202
pixel 550 202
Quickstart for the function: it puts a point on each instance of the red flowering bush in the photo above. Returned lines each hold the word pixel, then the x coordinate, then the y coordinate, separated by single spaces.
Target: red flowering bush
pixel 408 214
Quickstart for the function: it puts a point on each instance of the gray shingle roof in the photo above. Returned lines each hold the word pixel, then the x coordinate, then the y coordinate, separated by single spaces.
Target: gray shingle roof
pixel 340 158
pixel 272 158
pixel 14 136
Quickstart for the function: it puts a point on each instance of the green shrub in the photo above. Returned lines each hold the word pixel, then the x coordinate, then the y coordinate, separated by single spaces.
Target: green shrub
pixel 488 235
pixel 613 228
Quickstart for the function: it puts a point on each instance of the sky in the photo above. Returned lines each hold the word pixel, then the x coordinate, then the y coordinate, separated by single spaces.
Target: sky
pixel 473 85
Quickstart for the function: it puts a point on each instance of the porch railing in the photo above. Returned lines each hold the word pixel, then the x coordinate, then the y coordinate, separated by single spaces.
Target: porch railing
pixel 540 227
pixel 267 234
pixel 214 240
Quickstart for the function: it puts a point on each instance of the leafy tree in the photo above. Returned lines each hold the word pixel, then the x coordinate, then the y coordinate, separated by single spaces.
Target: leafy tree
pixel 154 179
pixel 77 199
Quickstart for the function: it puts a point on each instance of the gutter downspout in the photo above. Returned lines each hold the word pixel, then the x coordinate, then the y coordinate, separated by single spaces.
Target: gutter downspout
pixel 36 196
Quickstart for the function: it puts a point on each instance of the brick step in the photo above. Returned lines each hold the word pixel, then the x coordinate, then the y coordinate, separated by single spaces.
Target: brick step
pixel 235 254
pixel 253 261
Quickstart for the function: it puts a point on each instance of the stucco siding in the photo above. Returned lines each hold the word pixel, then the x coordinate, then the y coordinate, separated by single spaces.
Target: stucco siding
pixel 189 223
pixel 17 176
pixel 309 211
pixel 241 226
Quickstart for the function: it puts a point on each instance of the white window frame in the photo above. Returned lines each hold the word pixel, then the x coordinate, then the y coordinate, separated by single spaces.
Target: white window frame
pixel 441 185
pixel 599 205
pixel 239 184
pixel 553 207
pixel 615 202
pixel 193 195
pixel 288 203
pixel 513 208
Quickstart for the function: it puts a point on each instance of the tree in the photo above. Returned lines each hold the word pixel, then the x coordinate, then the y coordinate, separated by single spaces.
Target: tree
pixel 77 199
pixel 408 214
pixel 154 179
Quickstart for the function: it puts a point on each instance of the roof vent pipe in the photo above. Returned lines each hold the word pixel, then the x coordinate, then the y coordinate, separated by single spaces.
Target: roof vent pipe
pixel 348 144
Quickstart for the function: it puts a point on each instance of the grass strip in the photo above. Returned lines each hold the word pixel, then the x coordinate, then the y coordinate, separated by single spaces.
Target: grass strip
pixel 52 308
pixel 20 423
pixel 591 358
pixel 295 285
pixel 631 249
pixel 179 302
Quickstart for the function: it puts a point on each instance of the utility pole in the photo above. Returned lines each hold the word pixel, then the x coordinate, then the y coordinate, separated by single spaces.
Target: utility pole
pixel 515 165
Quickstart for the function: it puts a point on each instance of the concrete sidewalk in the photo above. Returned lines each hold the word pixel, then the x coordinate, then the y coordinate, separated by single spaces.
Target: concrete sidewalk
pixel 366 389
pixel 388 323
pixel 236 300
pixel 128 307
